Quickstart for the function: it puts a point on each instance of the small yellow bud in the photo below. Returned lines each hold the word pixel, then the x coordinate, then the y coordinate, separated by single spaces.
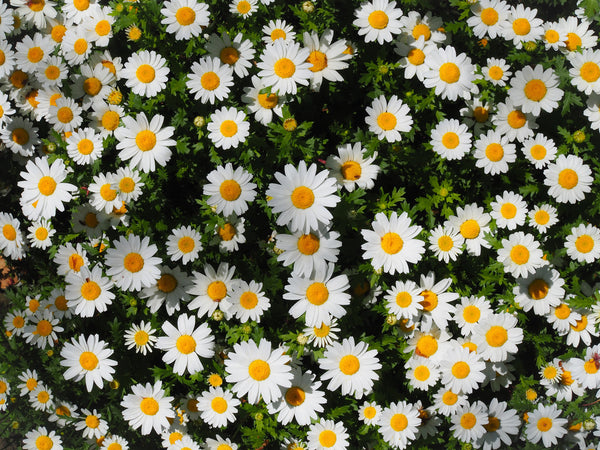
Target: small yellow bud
pixel 218 315
pixel 290 124
pixel 199 121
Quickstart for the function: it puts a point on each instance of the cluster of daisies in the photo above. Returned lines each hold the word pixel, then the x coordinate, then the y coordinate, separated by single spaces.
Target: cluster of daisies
pixel 64 91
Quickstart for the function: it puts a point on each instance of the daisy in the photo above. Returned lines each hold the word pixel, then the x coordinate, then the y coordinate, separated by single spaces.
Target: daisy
pixel 320 297
pixel 308 252
pixel 427 27
pixel 92 424
pixel 40 437
pixel 244 8
pixel 436 302
pixel 582 331
pixel 230 235
pixel 535 89
pixel 6 20
pixel 540 150
pixel 88 358
pixel 228 128
pixel 543 217
pixel 421 373
pixel 278 29
pixel 141 337
pixel 497 337
pixel 58 305
pixel 462 370
pixel 350 366
pixel 147 408
pixel 131 263
pixel 11 240
pixel 413 55
pixel 210 80
pixel 238 53
pixel 128 184
pixel 502 422
pixel 583 244
pixel 184 244
pixel 43 329
pixel 302 402
pixel 263 105
pixel 450 139
pixel 84 146
pixel 562 318
pixel 399 424
pixel 585 71
pixel 468 422
pixel 546 424
pixel 446 243
pixel 8 60
pixel 70 258
pixel 102 195
pixel 352 168
pixel 106 118
pixel 520 254
pixel 585 371
pixel 578 33
pixel 326 58
pixel 34 12
pixel 322 335
pixel 522 25
pixel 388 118
pixel 32 304
pixel 212 289
pixel 185 18
pixel 65 115
pixel 114 442
pixel 145 142
pixel 447 402
pixel 391 244
pixel 370 413
pixel 31 52
pixel 185 344
pixel 41 398
pixel 230 190
pixel 30 380
pixel 88 291
pixel 258 371
pixel 404 300
pixel 94 84
pixel 327 435
pixel 20 136
pixel 76 46
pixel 146 73
pixel 512 123
pixel 248 301
pixel 496 71
pixel 14 323
pixel 509 210
pixel 477 115
pixel 494 152
pixel 488 18
pixel 218 407
pixel 99 24
pixel 470 312
pixel 89 219
pixel 541 291
pixel 450 74
pixel 214 444
pixel 302 196
pixel 285 65
pixel 569 179
pixel 63 414
pixel 378 21
pixel 5 111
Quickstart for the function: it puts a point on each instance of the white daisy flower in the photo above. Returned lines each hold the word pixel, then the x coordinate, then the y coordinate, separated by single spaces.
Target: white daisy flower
pixel 88 291
pixel 496 71
pixel 35 12
pixel 285 65
pixel 539 150
pixel 40 437
pixel 399 424
pixel 41 398
pixel 99 24
pixel 488 18
pixel 447 402
pixel 476 115
pixel 582 331
pixel 562 318
pixel 6 21
pixel 554 36
pixel 65 115
pixel 468 422
pixel 421 373
pixel 248 301
pixel 513 123
pixel 470 312
pixel 238 53
pixel 8 60
pixel 88 219
pixel 102 195
pixel 94 84
pixel 545 424
pixel 534 89
pixel 141 337
pixel 84 146
pixel 278 29
pixel 75 45
pixel 20 136
pixel 185 344
pixel 413 55
pixel 327 435
pixel 64 413
pixel 131 263
pixel 451 139
pixel 43 329
pixel 218 407
pixel 509 210
pixel 258 371
pixel 184 244
pixel 323 335
pixel 29 381
pixel 326 58
pixel 210 80
pixel 583 244
pixel 6 111
pixel 105 118
pixel 185 18
pixel 388 118
pixel 214 444
pixel 32 52
pixel 350 366
pixel 230 235
pixel 541 290
pixel 262 105
pixel 494 152
pixel 15 322
pixel 212 289
pixel 522 25
pixel 228 128
pixel 585 370
pixel 230 190
pixel 446 243
pixel 147 408
pixel 569 179
pixel 497 337
pixel 128 184
pixel 462 370
pixel 427 27
pixel 501 423
pixel 428 344
pixel 308 252
pixel 451 74
pixel 542 217
pixel 369 413
pixel 578 34
pixel 404 300
pixel 378 20
pixel 12 242
pixel 521 254
pixel 70 258
pixel 585 71
pixel 145 143
pixel 146 73
pixel 436 302
pixel 352 168
pixel 244 8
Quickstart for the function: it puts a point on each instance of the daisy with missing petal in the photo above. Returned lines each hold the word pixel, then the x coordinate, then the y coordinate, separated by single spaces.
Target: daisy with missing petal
pixel 426 27
pixel 41 438
pixel 450 139
pixel 582 331
pixel 370 413
pixel 218 407
pixel 88 358
pixel 399 424
pixel 502 422
pixel 248 301
pixel 451 74
pixel 350 366
pixel 470 312
pixel 534 89
pixel 212 289
pixel 497 337
pixel 494 152
pixel 513 123
pixel 302 402
pixel 84 146
pixel 583 244
pixel 540 291
pixel 437 308
pixel 262 105
pixel 352 168
pixel 542 217
pixel 34 12
pixel 388 118
pixel 11 240
pixel 14 323
pixel 302 196
pixel 145 143
pixel 520 254
pixel 310 252
pixel 128 184
pixel 522 25
pixel 585 71
pixel 105 118
pixel 539 150
pixel 146 73
pixel 578 33
pixel 258 371
pixel 185 344
pixel 562 318
pixel 391 244
pixel 147 408
pixel 509 210
pixel 378 21
pixel 468 422
pixel 210 80
pixel 185 18
pixel 284 66
pixel 184 244
pixel 230 190
pixel 93 85
pixel 8 63
pixel 99 24
pixel 488 18
pixel 236 52
pixel 585 370
pixel 327 58
pixel 413 54
pixel 44 191
pixel 141 337
pixel 29 381
pixel 131 263
pixel 320 297
pixel 88 291
pixel 278 29
pixel 545 424
pixel 228 128
pixel 496 71
pixel 446 243
pixel 569 179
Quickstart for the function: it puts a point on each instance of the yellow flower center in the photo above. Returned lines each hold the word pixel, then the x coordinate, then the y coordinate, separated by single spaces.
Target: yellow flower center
pixel 217 291
pixel 18 79
pixel 64 114
pixel 349 364
pixel 551 36
pixel 58 32
pixel 398 422
pixel 215 380
pixel 308 244
pixel 185 16
pixel 562 311
pixel 44 328
pixel 521 26
pixel 492 425
pixel 516 119
pixel 369 412
pixel 421 30
pixel 284 68
pixel 145 140
pixel 133 262
pixel 427 345
pixel 519 254
pixel 445 243
pixel 481 114
pixel 167 283
pixel 107 193
pixel 127 185
pixel 35 54
pixel 471 314
pixel 243 7
pixel 302 197
pixel 430 300
pixel 317 293
pixel 535 90
pixel 259 370
pixel 145 73
pixel 590 366
pixel 229 55
pixel 43 443
pixel 590 71
pixel 248 300
pixel 461 370
pixel 550 373
pixel 450 140
pixel 403 299
pixel 508 211
pixel 568 178
pixel 75 262
pixel 538 152
pixel 544 424
pixel 227 232
pixel 102 28
pixel 321 331
pixel 538 289
pixel 541 217
pixel 387 121
pixel 92 421
pixel 468 420
pixel 449 72
pixel 318 60
pixel 115 446
pixel 31 384
pixel 80 46
pixel 149 406
pixel 62 410
pixel 449 398
pixel 186 344
pixel 496 336
pixel 210 81
pixel 422 373
pixel 584 243
pixel 85 146
pixel 88 360
pixel 295 396
pixel 18 322
pixel 9 232
pixel 43 397
pixel 228 128
pixel 20 136
pixel 378 19
pixel 494 152
pixel 90 290
pixel 230 190
pixel 573 41
pixel 489 16
pixel 141 338
pixel 416 56
pixel 110 120
pixel 391 243
pixel 219 405
pixel 268 102
pixel 278 33
pixel 36 5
